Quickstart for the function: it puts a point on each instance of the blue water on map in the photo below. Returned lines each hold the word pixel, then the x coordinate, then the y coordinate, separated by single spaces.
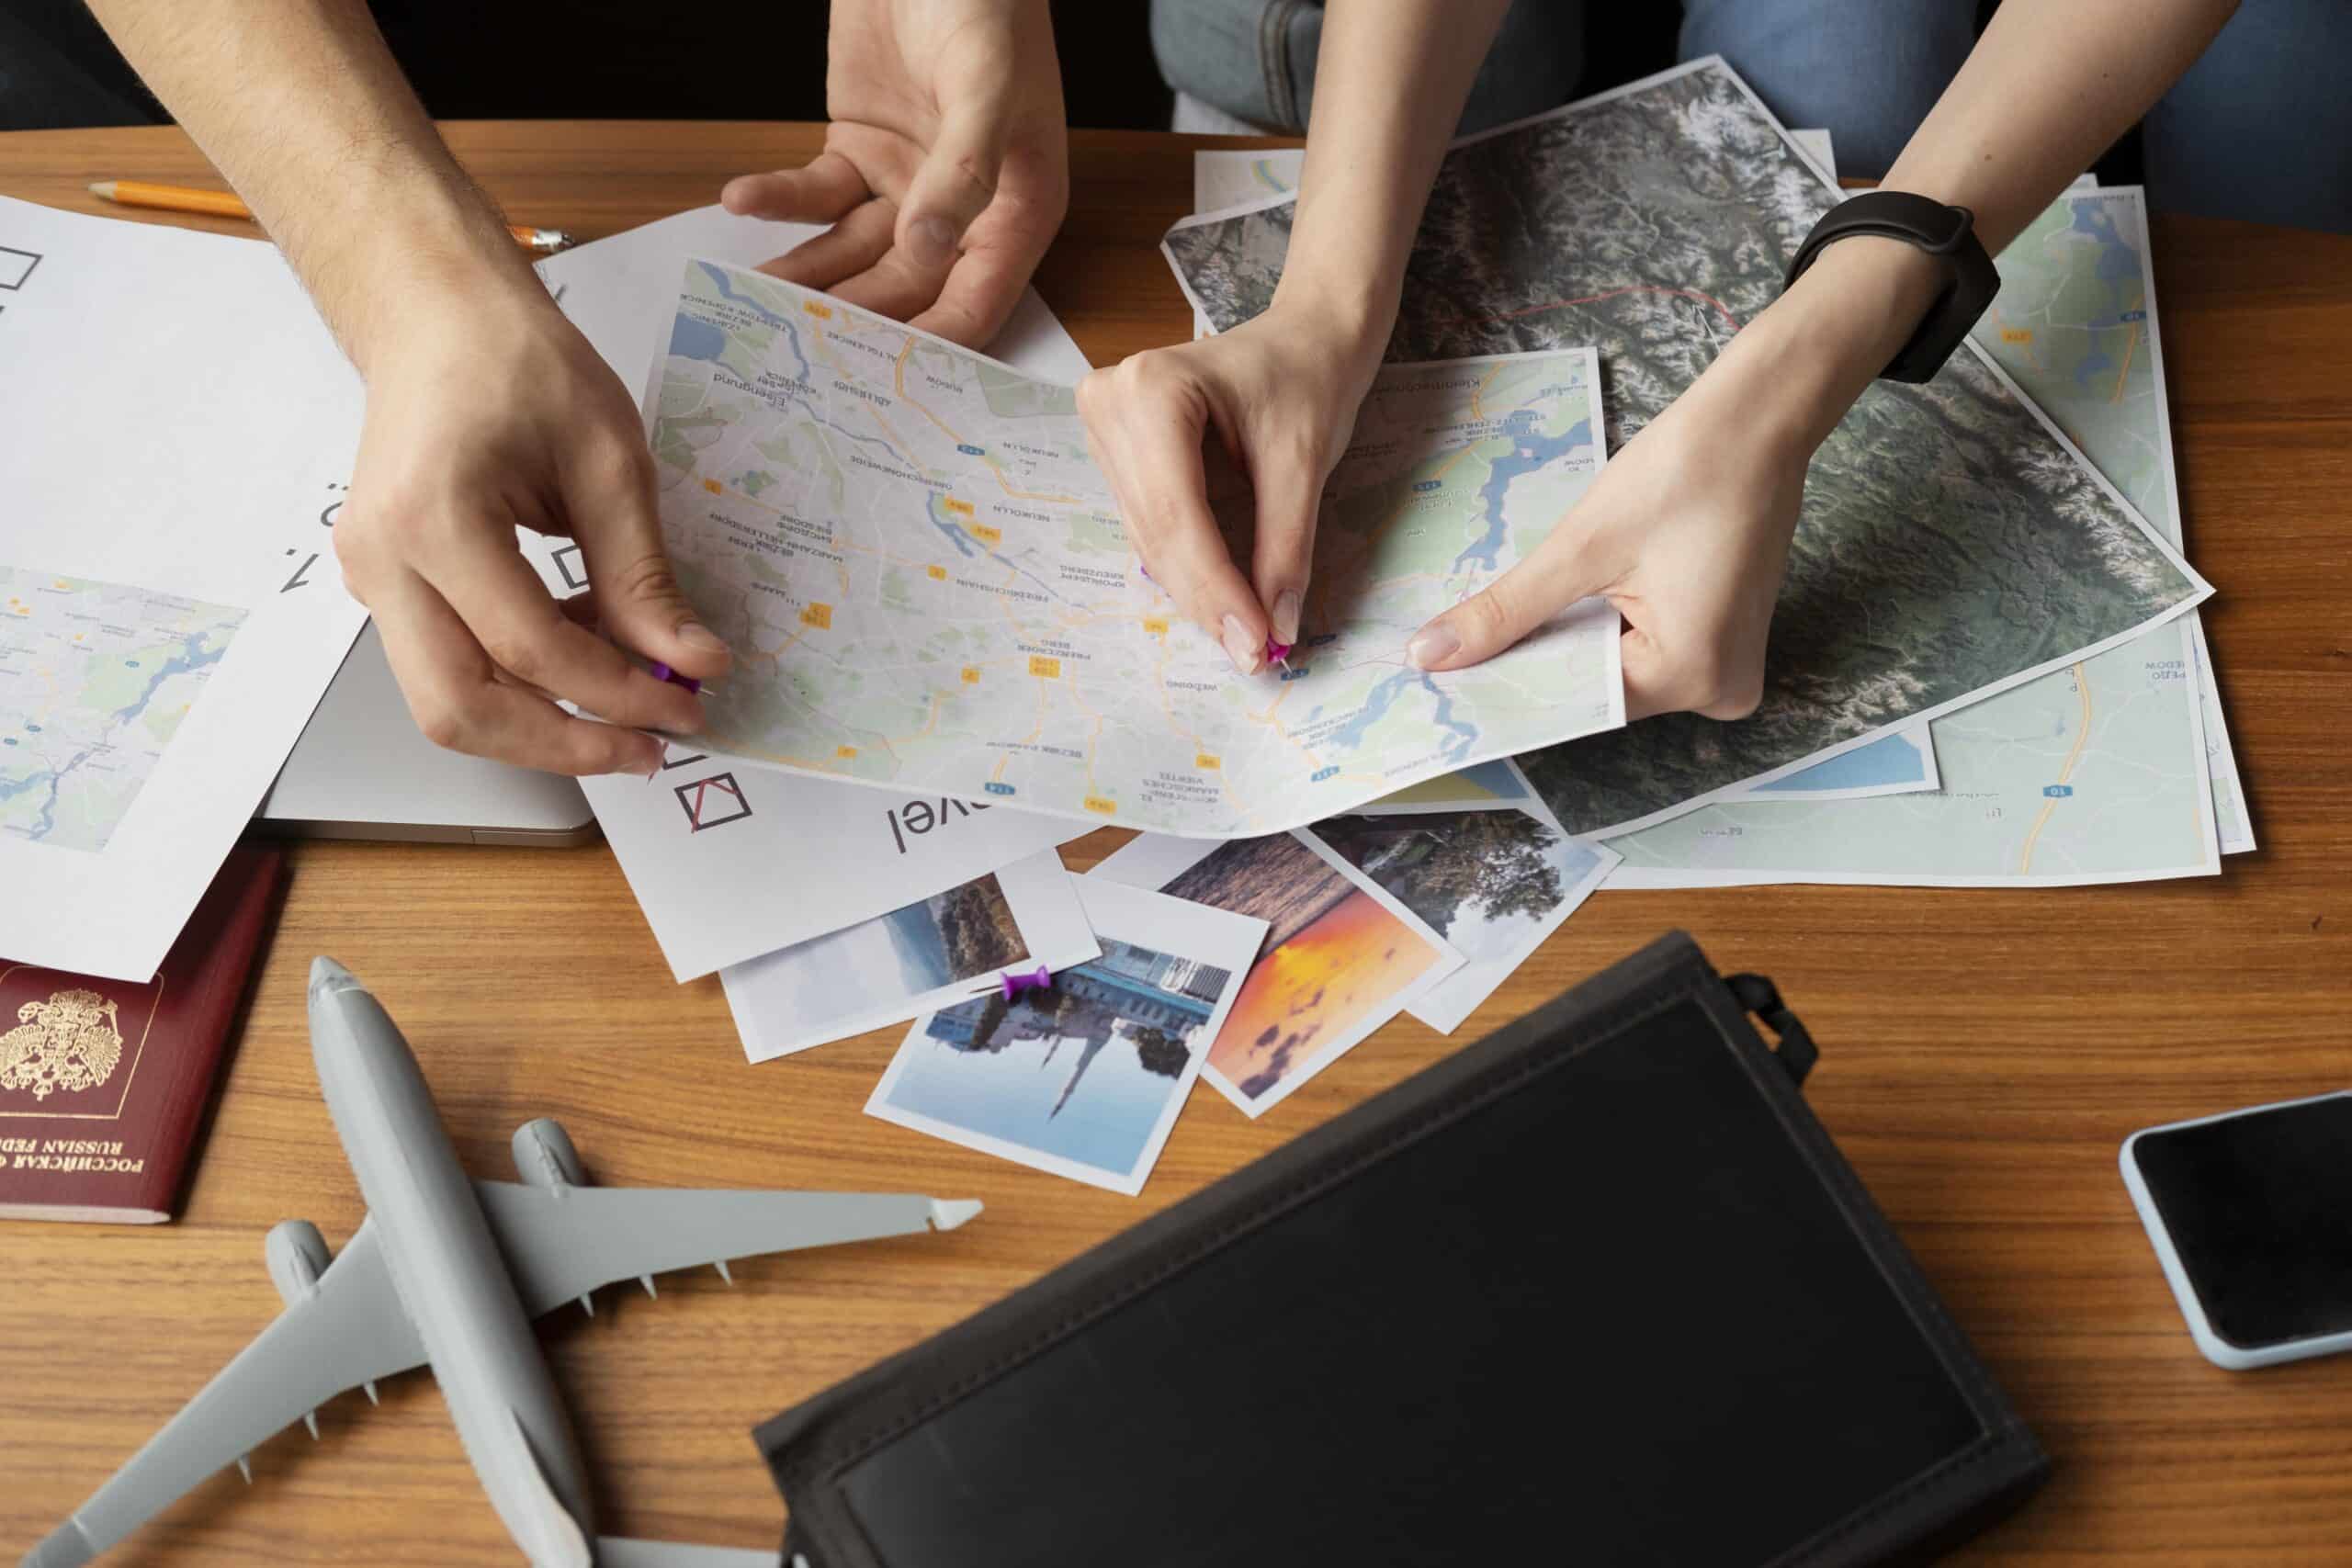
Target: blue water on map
pixel 1531 450
pixel 1889 760
pixel 690 339
pixel 791 332
pixel 1385 693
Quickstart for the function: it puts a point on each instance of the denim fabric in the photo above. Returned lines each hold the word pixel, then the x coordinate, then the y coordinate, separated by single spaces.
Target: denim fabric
pixel 1255 59
pixel 2261 126
pixel 1870 70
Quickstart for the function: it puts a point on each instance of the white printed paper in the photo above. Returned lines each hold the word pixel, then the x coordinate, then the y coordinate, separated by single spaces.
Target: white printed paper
pixel 176 426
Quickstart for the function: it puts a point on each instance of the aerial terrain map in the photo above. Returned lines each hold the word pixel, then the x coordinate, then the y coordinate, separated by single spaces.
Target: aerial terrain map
pixel 2097 773
pixel 1950 544
pixel 926 584
pixel 95 678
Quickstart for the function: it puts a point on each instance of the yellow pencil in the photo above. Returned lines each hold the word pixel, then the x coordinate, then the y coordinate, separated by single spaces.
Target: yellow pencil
pixel 225 203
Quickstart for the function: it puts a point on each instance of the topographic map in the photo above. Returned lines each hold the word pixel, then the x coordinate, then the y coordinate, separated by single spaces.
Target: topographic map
pixel 2095 774
pixel 95 678
pixel 925 583
pixel 1950 544
pixel 1897 764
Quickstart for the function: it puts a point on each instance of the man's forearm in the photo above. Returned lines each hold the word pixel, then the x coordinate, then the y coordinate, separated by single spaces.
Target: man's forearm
pixel 299 105
pixel 1390 81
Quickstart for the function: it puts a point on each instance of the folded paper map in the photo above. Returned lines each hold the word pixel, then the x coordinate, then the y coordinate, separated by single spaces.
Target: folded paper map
pixel 1952 543
pixel 926 583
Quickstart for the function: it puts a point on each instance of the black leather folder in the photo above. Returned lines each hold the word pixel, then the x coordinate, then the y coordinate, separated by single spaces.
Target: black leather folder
pixel 1598 1290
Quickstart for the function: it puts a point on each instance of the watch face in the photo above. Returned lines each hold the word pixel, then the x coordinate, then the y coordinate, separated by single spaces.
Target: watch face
pixel 2255 1206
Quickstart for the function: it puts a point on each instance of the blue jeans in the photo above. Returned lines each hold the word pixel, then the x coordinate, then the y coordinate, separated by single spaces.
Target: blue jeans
pixel 2259 129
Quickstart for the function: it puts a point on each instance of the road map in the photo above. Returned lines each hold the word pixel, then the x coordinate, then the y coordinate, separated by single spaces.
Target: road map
pixel 926 584
pixel 95 678
pixel 2097 773
pixel 1950 546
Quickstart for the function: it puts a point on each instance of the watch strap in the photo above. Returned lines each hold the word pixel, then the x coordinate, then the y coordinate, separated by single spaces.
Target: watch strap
pixel 1947 233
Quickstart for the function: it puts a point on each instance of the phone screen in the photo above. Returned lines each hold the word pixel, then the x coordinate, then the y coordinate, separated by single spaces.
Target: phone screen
pixel 2259 1208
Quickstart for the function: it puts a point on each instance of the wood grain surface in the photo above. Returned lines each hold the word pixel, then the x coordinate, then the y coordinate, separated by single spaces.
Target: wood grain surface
pixel 1984 1052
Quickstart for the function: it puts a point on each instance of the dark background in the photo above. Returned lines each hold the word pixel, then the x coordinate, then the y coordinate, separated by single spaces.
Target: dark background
pixel 636 60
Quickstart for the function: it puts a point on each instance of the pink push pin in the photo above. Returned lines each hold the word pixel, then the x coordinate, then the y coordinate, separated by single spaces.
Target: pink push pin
pixel 1014 982
pixel 663 672
pixel 1278 652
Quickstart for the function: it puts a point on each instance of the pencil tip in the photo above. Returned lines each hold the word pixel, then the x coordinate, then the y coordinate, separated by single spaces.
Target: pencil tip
pixel 102 188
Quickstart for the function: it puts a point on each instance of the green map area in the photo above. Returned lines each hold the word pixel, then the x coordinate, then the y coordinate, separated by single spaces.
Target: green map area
pixel 94 680
pixel 926 582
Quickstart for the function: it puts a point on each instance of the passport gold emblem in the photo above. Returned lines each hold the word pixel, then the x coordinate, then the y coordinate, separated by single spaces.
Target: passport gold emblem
pixel 68 1041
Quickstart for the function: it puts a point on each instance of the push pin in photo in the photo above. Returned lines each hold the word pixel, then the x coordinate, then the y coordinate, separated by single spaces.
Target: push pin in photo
pixel 1278 652
pixel 1013 982
pixel 663 672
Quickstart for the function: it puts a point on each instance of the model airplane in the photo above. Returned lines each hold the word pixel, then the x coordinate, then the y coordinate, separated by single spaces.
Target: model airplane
pixel 447 1272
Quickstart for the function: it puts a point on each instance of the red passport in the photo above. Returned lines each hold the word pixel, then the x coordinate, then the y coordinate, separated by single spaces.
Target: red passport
pixel 103 1084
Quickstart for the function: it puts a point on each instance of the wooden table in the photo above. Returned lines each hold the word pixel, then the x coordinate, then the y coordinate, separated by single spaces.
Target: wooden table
pixel 1985 1051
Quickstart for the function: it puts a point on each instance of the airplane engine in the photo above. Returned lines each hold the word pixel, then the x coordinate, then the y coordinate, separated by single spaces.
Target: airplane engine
pixel 544 1155
pixel 296 1254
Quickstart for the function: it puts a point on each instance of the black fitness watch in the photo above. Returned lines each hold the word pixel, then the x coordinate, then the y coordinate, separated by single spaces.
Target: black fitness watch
pixel 1947 233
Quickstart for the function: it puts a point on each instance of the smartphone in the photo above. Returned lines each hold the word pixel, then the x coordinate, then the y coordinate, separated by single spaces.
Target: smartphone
pixel 2251 1215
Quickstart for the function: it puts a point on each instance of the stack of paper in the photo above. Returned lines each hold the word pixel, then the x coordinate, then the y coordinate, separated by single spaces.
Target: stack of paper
pixel 178 429
pixel 2113 764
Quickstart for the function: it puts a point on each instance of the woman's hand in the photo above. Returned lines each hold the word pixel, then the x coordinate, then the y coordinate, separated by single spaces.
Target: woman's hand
pixel 1687 530
pixel 1687 533
pixel 946 171
pixel 1281 392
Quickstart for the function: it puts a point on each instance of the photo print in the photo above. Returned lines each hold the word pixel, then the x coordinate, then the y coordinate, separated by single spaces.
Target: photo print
pixel 1342 956
pixel 1084 1076
pixel 917 957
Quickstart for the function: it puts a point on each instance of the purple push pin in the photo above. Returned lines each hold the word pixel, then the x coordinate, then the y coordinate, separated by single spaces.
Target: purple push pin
pixel 1014 982
pixel 663 672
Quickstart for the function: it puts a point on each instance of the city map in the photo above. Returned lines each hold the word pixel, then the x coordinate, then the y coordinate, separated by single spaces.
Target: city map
pixel 1951 544
pixel 95 678
pixel 926 584
pixel 2097 773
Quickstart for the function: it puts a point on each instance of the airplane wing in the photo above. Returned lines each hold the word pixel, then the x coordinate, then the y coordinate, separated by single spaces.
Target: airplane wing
pixel 351 1330
pixel 563 1242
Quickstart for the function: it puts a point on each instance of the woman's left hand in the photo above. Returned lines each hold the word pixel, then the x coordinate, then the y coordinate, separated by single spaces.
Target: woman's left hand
pixel 1687 533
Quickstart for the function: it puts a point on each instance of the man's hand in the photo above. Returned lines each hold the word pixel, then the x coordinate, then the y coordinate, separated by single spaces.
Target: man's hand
pixel 494 411
pixel 1281 392
pixel 947 166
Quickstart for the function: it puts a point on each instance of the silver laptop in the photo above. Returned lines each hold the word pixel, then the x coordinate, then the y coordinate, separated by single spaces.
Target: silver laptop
pixel 363 771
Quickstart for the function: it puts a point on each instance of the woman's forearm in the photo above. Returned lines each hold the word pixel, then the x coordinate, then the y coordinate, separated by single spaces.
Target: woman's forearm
pixel 2049 87
pixel 1390 81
